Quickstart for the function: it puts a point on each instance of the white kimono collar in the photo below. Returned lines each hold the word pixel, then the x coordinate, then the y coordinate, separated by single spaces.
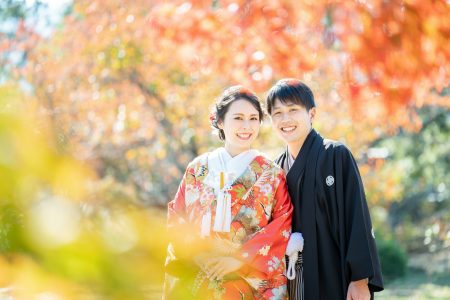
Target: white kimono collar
pixel 233 167
pixel 220 160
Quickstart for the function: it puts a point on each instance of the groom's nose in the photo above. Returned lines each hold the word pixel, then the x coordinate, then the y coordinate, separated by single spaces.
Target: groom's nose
pixel 285 116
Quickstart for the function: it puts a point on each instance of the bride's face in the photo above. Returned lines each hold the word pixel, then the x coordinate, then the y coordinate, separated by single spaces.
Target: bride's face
pixel 241 126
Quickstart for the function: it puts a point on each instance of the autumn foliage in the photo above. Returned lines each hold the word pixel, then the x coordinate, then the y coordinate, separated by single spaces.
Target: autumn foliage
pixel 121 93
pixel 117 79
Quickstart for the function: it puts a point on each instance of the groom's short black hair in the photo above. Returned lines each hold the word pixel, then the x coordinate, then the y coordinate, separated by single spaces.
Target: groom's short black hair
pixel 290 91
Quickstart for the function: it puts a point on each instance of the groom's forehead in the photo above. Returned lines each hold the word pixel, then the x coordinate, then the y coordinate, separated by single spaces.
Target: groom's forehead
pixel 284 103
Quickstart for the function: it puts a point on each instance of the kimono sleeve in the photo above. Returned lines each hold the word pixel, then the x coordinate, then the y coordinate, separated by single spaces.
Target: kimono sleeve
pixel 361 253
pixel 177 223
pixel 176 208
pixel 265 250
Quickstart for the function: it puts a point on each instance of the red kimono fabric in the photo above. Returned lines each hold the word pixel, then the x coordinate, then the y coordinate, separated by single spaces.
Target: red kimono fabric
pixel 261 213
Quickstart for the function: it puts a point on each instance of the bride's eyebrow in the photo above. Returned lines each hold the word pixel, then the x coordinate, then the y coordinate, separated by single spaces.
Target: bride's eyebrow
pixel 241 114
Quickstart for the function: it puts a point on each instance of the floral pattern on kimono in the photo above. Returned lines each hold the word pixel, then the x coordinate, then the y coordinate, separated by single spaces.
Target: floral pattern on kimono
pixel 260 228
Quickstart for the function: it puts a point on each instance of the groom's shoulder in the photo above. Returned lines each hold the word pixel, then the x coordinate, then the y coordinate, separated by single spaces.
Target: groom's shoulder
pixel 335 148
pixel 332 145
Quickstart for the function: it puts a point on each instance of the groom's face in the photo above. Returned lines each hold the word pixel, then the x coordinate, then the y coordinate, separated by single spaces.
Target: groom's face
pixel 292 122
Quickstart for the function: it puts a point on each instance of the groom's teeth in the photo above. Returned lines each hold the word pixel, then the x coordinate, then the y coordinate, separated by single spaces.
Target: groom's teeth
pixel 288 129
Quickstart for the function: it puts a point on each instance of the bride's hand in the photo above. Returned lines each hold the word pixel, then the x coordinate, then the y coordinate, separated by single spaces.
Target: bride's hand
pixel 218 267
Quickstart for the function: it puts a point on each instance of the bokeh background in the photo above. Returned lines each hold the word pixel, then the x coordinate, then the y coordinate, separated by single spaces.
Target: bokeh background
pixel 104 102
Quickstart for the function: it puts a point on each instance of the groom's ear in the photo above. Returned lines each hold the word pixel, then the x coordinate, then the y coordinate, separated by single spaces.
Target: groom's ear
pixel 312 114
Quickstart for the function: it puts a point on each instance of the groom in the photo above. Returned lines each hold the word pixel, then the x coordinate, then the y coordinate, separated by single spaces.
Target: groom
pixel 340 259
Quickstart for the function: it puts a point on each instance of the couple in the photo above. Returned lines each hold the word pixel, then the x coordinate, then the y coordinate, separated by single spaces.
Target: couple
pixel 230 222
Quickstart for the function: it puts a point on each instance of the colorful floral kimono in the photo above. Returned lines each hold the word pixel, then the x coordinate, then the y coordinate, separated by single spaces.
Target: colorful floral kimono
pixel 243 212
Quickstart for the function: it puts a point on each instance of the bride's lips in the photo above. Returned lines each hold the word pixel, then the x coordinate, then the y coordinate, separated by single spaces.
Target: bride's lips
pixel 244 136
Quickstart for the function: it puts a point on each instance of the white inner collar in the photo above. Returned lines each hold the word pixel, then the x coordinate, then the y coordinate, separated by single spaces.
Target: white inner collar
pixel 220 160
pixel 290 160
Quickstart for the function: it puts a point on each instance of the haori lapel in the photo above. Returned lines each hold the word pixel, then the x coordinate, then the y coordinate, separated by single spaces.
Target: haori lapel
pixel 308 217
pixel 294 178
pixel 298 167
pixel 283 162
